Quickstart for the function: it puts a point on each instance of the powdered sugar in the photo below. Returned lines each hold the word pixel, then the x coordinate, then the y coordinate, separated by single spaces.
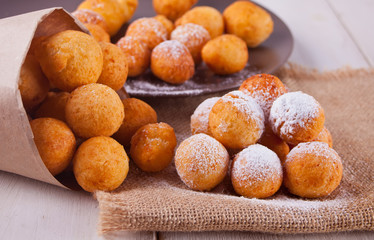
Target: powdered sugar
pixel 190 34
pixel 200 117
pixel 318 149
pixel 171 50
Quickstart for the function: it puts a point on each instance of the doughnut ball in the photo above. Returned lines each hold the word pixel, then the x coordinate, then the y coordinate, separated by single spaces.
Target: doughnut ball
pixel 236 120
pixel 35 43
pixel 90 17
pixel 97 32
pixel 324 136
pixel 100 163
pixel 264 88
pixel 226 54
pixel 274 143
pixel 200 117
pixel 312 170
pixel 70 59
pixel 55 142
pixel 296 117
pixel 152 147
pixel 172 9
pixel 138 55
pixel 115 67
pixel 210 18
pixel 256 172
pixel 138 114
pixel 148 30
pixel 172 62
pixel 94 110
pixel 33 85
pixel 129 7
pixel 53 106
pixel 201 162
pixel 194 37
pixel 169 25
pixel 248 21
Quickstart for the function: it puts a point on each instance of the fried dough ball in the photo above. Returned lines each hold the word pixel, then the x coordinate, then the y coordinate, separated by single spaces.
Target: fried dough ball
pixel 172 9
pixel 296 117
pixel 35 43
pixel 152 146
pixel 169 25
pixel 172 62
pixel 94 110
pixel 87 16
pixel 138 55
pixel 201 162
pixel 194 37
pixel 53 106
pixel 226 54
pixel 200 117
pixel 33 85
pixel 55 142
pixel 248 21
pixel 148 30
pixel 129 7
pixel 115 67
pixel 274 143
pixel 70 59
pixel 312 170
pixel 236 120
pixel 138 114
pixel 256 172
pixel 210 18
pixel 97 32
pixel 264 88
pixel 100 163
pixel 324 136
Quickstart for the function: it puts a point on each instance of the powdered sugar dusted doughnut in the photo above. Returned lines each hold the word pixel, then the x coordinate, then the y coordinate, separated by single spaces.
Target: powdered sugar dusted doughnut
pixel 256 172
pixel 200 118
pixel 90 17
pixel 312 170
pixel 296 117
pixel 201 162
pixel 236 120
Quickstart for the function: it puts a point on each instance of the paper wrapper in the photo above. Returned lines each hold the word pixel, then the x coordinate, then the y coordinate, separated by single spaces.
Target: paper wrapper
pixel 18 151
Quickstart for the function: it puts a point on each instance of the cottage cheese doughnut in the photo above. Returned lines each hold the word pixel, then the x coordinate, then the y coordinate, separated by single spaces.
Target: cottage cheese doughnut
pixel 226 54
pixel 236 120
pixel 324 136
pixel 210 18
pixel 115 66
pixel 148 30
pixel 201 162
pixel 194 37
pixel 172 9
pixel 94 110
pixel 274 143
pixel 152 146
pixel 138 114
pixel 90 17
pixel 200 117
pixel 100 163
pixel 55 142
pixel 248 21
pixel 264 88
pixel 172 62
pixel 138 55
pixel 312 170
pixel 129 7
pixel 256 172
pixel 296 117
pixel 98 32
pixel 169 25
pixel 53 106
pixel 70 59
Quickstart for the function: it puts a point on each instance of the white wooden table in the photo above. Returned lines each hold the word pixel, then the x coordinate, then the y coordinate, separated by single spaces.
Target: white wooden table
pixel 328 34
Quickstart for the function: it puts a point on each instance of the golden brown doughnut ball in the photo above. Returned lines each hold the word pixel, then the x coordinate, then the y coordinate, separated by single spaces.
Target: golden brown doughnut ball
pixel 256 172
pixel 129 7
pixel 138 55
pixel 226 54
pixel 172 62
pixel 97 32
pixel 35 43
pixel 312 170
pixel 296 117
pixel 152 146
pixel 100 163
pixel 172 9
pixel 115 67
pixel 201 162
pixel 200 117
pixel 169 25
pixel 33 85
pixel 53 106
pixel 274 143
pixel 194 37
pixel 248 21
pixel 94 110
pixel 138 114
pixel 87 16
pixel 148 30
pixel 55 142
pixel 324 136
pixel 70 59
pixel 210 18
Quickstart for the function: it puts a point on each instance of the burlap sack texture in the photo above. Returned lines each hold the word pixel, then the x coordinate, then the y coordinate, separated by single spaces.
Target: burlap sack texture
pixel 161 202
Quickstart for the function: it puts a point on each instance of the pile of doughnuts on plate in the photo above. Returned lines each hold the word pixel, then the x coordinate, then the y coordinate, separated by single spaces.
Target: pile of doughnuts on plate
pixel 259 124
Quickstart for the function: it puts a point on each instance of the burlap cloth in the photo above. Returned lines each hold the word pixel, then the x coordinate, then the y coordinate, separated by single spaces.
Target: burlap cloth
pixel 161 202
